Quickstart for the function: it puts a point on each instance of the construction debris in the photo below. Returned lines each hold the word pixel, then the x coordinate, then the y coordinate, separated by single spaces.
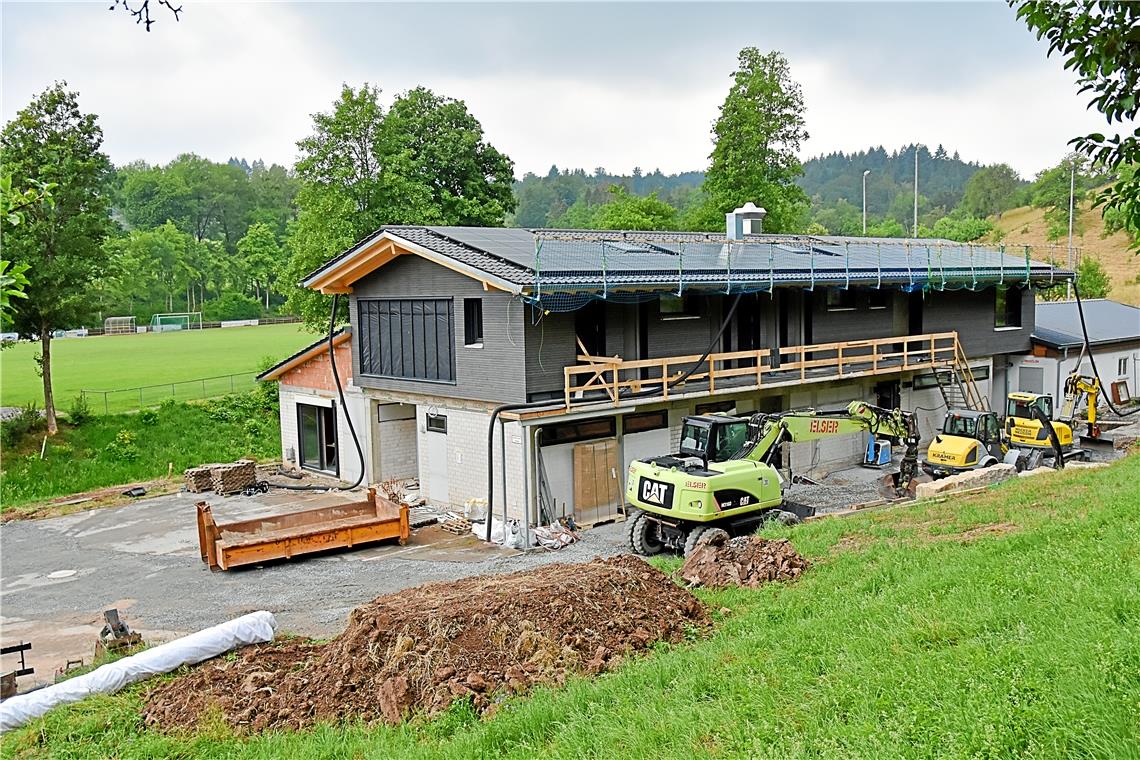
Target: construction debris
pixel 971 479
pixel 419 650
pixel 719 561
pixel 116 637
pixel 460 526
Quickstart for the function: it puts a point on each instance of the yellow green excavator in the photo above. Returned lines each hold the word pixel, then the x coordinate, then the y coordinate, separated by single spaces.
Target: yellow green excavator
pixel 722 479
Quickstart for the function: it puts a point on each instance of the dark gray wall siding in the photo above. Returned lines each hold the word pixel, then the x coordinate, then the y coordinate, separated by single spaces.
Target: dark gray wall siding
pixel 860 323
pixel 972 315
pixel 492 373
pixel 550 346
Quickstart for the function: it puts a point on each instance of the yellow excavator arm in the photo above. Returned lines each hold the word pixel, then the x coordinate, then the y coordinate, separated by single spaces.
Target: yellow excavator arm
pixel 1080 388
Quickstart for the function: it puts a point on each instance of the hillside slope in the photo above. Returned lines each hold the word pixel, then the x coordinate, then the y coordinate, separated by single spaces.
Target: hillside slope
pixel 1027 226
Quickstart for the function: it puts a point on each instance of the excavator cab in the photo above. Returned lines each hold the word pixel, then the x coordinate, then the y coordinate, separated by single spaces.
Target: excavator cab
pixel 713 437
pixel 968 440
pixel 1025 429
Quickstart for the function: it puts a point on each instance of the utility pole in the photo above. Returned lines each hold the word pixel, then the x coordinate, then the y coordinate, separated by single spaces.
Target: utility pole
pixel 865 173
pixel 1072 192
pixel 914 229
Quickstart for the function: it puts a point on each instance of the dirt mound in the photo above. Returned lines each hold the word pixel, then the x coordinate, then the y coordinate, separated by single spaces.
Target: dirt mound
pixel 743 561
pixel 421 649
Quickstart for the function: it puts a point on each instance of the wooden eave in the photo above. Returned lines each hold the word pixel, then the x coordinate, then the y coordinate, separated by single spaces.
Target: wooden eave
pixel 340 276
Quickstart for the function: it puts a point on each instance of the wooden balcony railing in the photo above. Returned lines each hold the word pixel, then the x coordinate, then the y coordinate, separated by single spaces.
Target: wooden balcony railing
pixel 604 377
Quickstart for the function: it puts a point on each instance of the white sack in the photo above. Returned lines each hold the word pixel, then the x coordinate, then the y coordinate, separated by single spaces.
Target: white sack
pixel 254 628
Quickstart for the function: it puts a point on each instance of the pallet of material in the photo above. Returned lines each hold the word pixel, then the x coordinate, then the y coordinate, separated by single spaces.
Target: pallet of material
pixel 457 525
pixel 233 478
pixel 228 545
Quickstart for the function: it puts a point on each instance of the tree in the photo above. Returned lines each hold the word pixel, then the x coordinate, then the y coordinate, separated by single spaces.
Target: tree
pixel 1051 191
pixel 423 162
pixel 1092 281
pixel 628 212
pixel 991 191
pixel 52 141
pixel 1098 39
pixel 468 180
pixel 757 136
pixel 260 255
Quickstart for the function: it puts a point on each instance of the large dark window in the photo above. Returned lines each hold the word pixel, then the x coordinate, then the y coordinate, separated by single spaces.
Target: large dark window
pixel 1007 307
pixel 472 321
pixel 317 427
pixel 407 338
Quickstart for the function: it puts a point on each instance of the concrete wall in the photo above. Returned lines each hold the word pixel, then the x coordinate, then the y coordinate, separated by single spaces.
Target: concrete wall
pixel 1058 366
pixel 494 372
pixel 394 442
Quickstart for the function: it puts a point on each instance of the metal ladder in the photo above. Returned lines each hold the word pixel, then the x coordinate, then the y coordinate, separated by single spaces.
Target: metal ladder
pixel 957 385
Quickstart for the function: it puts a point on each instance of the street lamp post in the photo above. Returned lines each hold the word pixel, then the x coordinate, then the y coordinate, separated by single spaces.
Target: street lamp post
pixel 865 173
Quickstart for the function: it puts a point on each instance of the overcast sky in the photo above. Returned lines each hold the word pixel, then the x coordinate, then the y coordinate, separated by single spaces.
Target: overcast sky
pixel 577 85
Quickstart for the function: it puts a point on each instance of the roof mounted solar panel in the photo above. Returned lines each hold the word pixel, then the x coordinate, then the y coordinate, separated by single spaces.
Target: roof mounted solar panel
pixel 638 247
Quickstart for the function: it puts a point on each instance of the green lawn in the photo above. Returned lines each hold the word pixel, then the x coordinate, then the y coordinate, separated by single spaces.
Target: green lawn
pixel 111 362
pixel 114 449
pixel 999 625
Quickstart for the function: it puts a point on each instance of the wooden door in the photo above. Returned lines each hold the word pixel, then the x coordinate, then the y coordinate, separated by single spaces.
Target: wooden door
pixel 597 481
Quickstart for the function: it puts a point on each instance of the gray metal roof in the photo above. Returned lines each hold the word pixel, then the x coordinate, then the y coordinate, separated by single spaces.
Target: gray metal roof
pixel 1058 323
pixel 585 261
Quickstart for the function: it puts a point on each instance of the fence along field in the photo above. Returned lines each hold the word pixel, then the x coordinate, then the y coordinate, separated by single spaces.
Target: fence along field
pixel 183 364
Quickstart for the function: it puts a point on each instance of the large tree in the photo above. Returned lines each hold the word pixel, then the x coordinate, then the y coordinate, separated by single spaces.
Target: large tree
pixel 1100 41
pixel 757 135
pixel 424 161
pixel 991 191
pixel 52 141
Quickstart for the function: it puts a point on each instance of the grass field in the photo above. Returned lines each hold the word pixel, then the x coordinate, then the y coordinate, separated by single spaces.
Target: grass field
pixel 115 449
pixel 1027 226
pixel 128 361
pixel 998 625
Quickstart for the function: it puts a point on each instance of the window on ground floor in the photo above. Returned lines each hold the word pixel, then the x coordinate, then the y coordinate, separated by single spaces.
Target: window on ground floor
pixel 642 422
pixel 583 430
pixel 1122 366
pixel 316 426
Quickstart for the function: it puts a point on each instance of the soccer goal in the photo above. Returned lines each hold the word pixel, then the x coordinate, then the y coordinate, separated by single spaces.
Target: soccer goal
pixel 190 320
pixel 119 326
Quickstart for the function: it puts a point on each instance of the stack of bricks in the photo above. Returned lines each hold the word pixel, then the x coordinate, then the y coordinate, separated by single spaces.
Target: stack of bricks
pixel 199 479
pixel 232 478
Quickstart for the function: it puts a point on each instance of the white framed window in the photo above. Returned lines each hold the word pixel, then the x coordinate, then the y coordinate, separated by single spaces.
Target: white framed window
pixel 1122 367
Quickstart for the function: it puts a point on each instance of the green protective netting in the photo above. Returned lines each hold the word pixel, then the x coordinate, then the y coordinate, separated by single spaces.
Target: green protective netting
pixel 572 269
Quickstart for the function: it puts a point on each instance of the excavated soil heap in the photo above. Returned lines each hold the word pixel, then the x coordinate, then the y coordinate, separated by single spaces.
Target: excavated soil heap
pixel 749 561
pixel 417 651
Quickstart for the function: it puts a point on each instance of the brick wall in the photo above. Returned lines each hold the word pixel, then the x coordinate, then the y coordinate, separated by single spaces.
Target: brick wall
pixel 316 372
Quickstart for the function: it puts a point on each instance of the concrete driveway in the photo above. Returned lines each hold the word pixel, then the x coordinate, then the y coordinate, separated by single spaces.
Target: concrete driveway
pixel 57 575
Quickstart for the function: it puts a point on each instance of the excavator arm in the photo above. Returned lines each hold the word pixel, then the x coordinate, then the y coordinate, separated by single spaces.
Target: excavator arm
pixel 768 431
pixel 1080 388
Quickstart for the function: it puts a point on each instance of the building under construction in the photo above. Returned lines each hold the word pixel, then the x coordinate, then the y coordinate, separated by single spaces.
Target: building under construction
pixel 601 342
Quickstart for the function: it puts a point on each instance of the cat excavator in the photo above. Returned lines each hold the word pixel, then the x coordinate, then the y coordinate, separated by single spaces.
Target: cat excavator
pixel 723 479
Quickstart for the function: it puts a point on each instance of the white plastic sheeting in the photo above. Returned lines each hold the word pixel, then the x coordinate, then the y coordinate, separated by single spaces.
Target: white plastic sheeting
pixel 254 628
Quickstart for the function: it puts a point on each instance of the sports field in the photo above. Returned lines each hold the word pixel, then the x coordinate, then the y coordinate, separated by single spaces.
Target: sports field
pixel 111 362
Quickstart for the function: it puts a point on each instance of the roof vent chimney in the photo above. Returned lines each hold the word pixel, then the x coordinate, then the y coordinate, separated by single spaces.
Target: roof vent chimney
pixel 746 220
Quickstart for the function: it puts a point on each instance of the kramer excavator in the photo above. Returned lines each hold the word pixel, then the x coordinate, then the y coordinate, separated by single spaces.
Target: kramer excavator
pixel 723 478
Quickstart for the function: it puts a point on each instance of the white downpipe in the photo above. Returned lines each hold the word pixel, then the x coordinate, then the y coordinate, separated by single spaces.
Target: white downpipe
pixel 254 628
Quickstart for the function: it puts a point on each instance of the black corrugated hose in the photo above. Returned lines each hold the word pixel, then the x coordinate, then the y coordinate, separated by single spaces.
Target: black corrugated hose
pixel 347 416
